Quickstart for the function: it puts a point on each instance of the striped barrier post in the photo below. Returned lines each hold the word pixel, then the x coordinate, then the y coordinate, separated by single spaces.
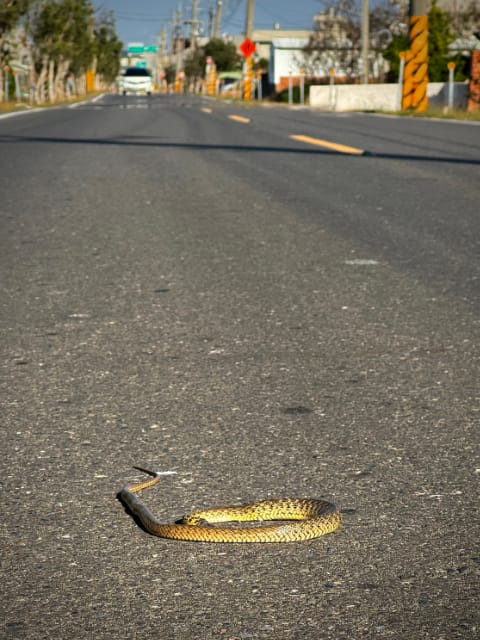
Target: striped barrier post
pixel 247 88
pixel 415 78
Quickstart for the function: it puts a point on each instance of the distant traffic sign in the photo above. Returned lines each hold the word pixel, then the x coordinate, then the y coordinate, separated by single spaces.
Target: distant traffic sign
pixel 247 48
pixel 135 47
pixel 139 47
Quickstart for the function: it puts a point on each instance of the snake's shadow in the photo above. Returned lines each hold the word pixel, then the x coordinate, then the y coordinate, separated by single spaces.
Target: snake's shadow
pixel 135 518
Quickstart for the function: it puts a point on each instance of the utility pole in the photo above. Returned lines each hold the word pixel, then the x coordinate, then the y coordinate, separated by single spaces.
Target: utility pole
pixel 218 19
pixel 415 79
pixel 162 49
pixel 194 25
pixel 160 58
pixel 247 92
pixel 193 29
pixel 173 34
pixel 211 14
pixel 249 19
pixel 365 40
pixel 177 38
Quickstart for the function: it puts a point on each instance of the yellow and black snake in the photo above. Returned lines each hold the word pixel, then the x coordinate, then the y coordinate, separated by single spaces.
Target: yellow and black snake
pixel 310 519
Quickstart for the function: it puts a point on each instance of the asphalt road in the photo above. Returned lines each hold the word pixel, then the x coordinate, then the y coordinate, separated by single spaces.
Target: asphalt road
pixel 265 317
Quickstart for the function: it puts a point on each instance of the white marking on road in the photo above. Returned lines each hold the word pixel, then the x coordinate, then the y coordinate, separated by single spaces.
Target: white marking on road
pixel 21 113
pixel 89 101
pixel 361 261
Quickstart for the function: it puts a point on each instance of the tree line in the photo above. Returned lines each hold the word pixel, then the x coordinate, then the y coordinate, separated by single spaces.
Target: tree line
pixel 54 43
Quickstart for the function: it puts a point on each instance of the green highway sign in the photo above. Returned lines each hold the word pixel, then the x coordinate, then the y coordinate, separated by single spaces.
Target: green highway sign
pixel 139 48
pixel 135 47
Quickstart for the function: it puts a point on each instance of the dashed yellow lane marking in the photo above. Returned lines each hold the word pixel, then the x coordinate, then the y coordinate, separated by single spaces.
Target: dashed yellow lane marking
pixel 239 119
pixel 341 148
pixel 206 110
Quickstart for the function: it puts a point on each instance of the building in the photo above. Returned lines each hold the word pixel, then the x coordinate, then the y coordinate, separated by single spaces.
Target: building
pixel 264 38
pixel 286 60
pixel 329 46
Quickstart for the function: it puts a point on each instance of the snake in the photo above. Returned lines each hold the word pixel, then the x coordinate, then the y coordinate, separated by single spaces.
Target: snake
pixel 303 519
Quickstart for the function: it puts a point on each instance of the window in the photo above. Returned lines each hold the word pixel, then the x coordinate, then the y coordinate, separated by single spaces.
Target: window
pixel 137 71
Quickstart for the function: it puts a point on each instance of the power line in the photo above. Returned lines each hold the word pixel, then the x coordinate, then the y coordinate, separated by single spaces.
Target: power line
pixel 140 18
pixel 124 19
pixel 229 10
pixel 264 9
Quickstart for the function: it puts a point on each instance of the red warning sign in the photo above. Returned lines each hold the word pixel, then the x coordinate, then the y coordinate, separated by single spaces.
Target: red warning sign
pixel 247 48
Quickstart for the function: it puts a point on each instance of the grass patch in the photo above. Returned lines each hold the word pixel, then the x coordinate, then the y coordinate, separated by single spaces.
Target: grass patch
pixel 10 107
pixel 453 114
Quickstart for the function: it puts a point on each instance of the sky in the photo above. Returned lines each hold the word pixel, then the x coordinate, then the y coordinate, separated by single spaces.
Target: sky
pixel 141 20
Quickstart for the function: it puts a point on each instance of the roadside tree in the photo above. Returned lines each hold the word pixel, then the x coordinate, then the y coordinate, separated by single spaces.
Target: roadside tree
pixel 63 43
pixel 107 48
pixel 11 13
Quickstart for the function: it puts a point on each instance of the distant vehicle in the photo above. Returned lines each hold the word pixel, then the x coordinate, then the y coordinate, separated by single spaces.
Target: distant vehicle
pixel 229 85
pixel 135 80
pixel 230 82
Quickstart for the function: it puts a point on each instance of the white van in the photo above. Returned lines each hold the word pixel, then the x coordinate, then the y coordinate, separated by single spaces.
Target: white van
pixel 135 80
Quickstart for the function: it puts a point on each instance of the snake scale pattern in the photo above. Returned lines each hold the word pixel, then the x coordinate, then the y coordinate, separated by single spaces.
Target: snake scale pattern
pixel 306 519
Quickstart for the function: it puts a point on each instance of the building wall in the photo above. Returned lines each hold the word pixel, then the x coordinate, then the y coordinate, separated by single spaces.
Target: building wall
pixel 263 39
pixel 286 56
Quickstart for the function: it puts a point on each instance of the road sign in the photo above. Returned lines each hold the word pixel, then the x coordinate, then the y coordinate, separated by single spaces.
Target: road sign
pixel 247 48
pixel 135 47
pixel 139 47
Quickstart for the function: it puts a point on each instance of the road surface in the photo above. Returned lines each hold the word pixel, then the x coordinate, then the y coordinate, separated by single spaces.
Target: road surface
pixel 264 315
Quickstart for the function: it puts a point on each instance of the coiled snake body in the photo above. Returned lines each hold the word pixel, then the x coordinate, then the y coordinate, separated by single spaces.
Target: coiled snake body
pixel 310 519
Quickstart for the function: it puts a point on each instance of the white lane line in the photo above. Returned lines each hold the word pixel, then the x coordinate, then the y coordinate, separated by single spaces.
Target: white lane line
pixel 22 113
pixel 89 101
pixel 361 261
